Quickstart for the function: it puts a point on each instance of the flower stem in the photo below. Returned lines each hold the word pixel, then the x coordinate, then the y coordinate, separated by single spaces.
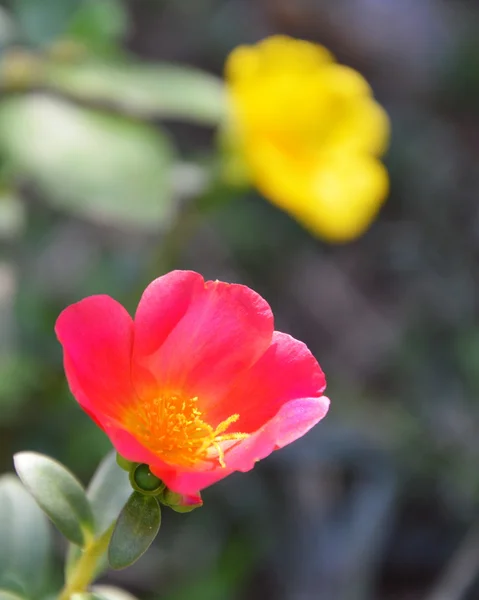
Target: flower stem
pixel 84 571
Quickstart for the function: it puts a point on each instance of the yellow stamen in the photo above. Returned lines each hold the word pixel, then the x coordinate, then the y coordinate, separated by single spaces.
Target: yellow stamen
pixel 172 427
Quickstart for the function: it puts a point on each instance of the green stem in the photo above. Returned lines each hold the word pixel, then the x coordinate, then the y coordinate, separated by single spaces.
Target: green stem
pixel 84 571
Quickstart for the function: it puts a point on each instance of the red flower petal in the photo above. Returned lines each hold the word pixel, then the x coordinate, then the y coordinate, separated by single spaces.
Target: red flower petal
pixel 191 500
pixel 189 482
pixel 294 419
pixel 97 336
pixel 209 343
pixel 225 329
pixel 130 448
pixel 285 372
pixel 162 305
pixel 279 399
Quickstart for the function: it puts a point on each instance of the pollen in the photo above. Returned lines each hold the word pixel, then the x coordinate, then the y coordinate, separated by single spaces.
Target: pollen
pixel 172 427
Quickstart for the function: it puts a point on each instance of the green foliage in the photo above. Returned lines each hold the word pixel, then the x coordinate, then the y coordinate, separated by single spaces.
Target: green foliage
pixel 135 530
pixel 25 543
pixel 100 166
pixel 108 491
pixel 99 24
pixel 159 90
pixel 6 595
pixel 42 22
pixel 58 493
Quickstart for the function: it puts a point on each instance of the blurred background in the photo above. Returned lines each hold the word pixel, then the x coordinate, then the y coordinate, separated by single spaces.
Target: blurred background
pixel 108 119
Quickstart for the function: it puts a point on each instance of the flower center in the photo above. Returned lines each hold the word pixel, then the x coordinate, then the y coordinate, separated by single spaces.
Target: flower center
pixel 171 427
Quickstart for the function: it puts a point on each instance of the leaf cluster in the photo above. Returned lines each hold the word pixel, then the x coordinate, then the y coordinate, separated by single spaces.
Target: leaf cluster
pixel 85 517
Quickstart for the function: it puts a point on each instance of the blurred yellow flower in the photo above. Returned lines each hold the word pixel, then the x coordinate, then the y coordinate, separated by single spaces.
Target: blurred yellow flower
pixel 307 132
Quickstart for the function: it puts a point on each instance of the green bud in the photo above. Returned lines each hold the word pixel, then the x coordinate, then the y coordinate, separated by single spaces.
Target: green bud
pixel 142 480
pixel 185 509
pixel 170 498
pixel 173 500
pixel 124 464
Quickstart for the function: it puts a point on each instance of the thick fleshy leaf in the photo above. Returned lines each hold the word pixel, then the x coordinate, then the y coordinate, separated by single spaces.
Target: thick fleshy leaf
pixel 25 543
pixel 112 593
pixel 108 491
pixel 7 595
pixel 161 90
pixel 135 530
pixel 100 166
pixel 58 493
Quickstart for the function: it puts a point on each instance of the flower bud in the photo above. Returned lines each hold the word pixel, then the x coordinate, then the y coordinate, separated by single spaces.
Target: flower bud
pixel 124 464
pixel 180 503
pixel 142 480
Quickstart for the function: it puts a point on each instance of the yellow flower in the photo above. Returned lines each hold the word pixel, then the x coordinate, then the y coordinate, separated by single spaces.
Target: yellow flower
pixel 307 132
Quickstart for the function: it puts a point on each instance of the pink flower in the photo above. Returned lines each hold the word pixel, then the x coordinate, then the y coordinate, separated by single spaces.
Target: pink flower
pixel 197 385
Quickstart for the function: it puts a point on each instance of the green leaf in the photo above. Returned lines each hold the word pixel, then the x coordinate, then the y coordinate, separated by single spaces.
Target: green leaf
pixel 99 24
pixel 6 595
pixel 135 530
pixel 42 22
pixel 112 593
pixel 25 543
pixel 100 166
pixel 108 491
pixel 149 91
pixel 58 493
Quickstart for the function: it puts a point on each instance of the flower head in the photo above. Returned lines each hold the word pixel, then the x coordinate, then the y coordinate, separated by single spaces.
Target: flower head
pixel 197 385
pixel 307 132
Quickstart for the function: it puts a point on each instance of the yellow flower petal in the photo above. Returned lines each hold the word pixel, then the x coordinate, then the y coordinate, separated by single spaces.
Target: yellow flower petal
pixel 276 52
pixel 335 197
pixel 308 130
pixel 363 127
pixel 346 198
pixel 242 64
